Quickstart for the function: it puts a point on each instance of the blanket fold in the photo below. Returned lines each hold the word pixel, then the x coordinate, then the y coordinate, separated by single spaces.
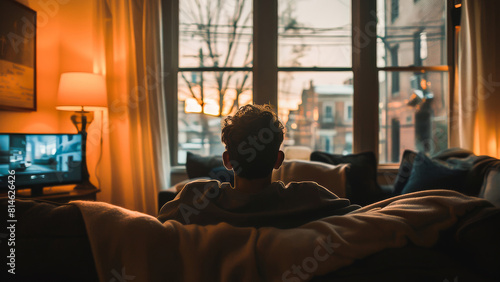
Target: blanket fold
pixel 138 245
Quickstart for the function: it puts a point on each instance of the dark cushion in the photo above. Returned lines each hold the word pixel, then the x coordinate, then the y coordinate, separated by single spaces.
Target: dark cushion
pixel 199 166
pixel 404 171
pixel 429 174
pixel 473 180
pixel 222 174
pixel 361 178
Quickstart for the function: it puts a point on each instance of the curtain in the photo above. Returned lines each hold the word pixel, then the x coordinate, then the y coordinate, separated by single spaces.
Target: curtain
pixel 475 120
pixel 128 47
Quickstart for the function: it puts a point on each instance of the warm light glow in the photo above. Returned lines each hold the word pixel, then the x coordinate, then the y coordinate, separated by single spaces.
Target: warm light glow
pixel 423 84
pixel 211 107
pixel 315 114
pixel 192 106
pixel 78 89
pixel 294 126
pixel 458 5
pixel 492 145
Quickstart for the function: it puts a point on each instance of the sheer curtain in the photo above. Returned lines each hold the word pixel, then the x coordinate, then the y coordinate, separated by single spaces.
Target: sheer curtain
pixel 475 122
pixel 135 161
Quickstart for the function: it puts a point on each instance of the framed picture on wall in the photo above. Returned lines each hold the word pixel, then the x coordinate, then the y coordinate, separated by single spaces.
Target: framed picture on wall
pixel 17 57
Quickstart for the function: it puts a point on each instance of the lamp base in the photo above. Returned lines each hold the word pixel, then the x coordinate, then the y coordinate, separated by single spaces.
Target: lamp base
pixel 81 119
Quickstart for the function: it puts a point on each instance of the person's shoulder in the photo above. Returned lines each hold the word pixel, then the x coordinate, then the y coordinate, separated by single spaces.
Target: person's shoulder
pixel 200 185
pixel 303 185
pixel 308 188
pixel 203 182
pixel 187 202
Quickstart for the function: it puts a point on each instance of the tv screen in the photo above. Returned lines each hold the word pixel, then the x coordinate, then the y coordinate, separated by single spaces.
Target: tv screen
pixel 40 160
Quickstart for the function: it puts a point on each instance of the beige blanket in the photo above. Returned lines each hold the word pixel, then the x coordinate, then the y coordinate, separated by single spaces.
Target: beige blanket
pixel 129 245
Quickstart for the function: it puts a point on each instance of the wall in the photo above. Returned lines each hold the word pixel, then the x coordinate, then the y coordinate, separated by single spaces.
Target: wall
pixel 64 44
pixel 45 119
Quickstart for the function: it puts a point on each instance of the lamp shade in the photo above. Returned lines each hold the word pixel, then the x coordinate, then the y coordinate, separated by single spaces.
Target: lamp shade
pixel 79 90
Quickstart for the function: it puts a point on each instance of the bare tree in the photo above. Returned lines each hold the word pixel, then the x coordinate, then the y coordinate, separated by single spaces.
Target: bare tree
pixel 221 30
pixel 215 22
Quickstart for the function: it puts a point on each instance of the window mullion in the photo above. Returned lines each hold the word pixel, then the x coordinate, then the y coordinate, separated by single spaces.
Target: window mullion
pixel 170 30
pixel 265 52
pixel 366 86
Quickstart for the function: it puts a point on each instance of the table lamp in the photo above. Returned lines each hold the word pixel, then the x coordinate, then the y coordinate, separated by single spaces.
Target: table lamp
pixel 82 93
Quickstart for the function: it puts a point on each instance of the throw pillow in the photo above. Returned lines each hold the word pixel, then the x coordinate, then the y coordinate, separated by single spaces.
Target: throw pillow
pixel 404 171
pixel 199 166
pixel 428 174
pixel 222 174
pixel 332 177
pixel 361 177
pixel 491 187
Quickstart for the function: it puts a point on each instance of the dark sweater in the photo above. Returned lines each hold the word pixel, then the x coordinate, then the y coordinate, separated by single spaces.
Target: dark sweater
pixel 208 202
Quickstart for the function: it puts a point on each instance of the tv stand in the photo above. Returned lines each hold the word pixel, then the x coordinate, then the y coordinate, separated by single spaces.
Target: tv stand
pixel 59 194
pixel 40 191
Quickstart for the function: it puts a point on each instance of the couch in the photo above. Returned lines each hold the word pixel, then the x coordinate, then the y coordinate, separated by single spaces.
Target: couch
pixel 423 236
pixel 436 235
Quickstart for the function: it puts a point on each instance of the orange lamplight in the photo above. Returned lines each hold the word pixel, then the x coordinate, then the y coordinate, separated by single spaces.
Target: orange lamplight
pixel 82 93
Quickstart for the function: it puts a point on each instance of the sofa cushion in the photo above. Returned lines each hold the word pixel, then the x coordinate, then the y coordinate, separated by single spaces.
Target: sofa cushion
pixel 404 171
pixel 429 174
pixel 361 177
pixel 199 166
pixel 297 153
pixel 491 187
pixel 479 165
pixel 332 177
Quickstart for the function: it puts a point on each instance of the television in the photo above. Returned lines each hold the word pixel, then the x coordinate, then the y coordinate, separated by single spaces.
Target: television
pixel 40 160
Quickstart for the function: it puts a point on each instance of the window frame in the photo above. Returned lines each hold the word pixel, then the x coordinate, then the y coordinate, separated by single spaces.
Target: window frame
pixel 448 68
pixel 265 67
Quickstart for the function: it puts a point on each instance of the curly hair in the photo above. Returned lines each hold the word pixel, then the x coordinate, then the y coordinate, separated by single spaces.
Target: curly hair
pixel 253 137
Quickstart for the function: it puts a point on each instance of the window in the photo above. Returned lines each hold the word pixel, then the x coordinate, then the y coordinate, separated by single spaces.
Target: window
pixel 348 112
pixel 215 74
pixel 223 58
pixel 328 117
pixel 418 71
pixel 394 10
pixel 395 76
pixel 312 35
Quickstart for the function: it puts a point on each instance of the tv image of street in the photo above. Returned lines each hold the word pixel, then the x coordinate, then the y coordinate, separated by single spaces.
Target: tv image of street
pixel 38 158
